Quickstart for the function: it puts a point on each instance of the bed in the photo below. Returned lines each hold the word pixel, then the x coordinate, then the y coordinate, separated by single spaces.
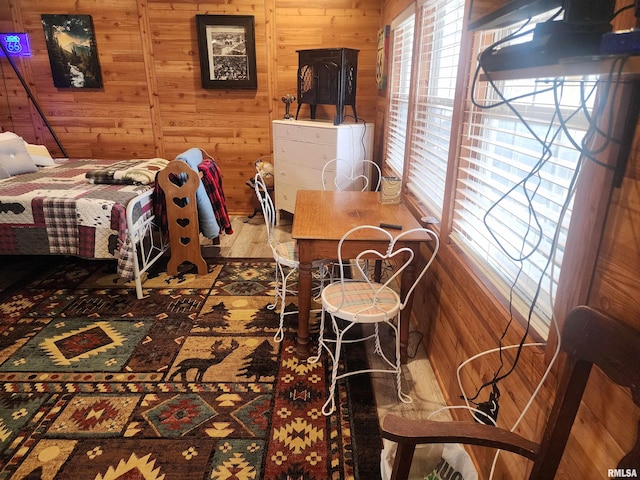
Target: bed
pixel 96 209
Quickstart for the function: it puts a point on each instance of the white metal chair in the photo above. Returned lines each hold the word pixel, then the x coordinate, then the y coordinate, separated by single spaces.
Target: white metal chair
pixel 285 255
pixel 346 175
pixel 361 300
pixel 342 175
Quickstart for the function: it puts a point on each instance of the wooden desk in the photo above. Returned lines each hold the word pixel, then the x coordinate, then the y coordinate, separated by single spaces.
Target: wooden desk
pixel 320 221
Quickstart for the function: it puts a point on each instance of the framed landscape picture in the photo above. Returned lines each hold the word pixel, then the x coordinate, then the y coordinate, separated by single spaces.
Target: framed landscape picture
pixel 227 48
pixel 73 55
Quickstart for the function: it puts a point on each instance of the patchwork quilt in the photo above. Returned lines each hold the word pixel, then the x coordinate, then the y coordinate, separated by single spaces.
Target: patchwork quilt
pixel 56 210
pixel 128 172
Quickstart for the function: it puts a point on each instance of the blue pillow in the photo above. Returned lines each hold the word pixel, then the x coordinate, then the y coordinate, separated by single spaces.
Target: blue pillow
pixel 206 217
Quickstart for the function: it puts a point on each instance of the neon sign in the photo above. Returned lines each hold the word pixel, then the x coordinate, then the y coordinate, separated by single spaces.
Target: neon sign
pixel 15 44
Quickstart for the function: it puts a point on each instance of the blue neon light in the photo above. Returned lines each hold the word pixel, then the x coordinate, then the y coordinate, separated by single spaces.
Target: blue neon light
pixel 16 44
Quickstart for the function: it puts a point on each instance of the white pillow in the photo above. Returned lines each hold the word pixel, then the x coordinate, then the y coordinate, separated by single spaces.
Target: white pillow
pixel 14 158
pixel 40 155
pixel 8 136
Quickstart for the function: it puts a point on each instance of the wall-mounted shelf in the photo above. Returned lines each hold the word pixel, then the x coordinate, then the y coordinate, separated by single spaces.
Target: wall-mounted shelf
pixel 575 67
pixel 508 13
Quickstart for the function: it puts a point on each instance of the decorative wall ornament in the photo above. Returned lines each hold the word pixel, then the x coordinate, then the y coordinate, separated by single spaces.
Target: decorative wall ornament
pixel 227 48
pixel 73 55
pixel 381 61
pixel 16 44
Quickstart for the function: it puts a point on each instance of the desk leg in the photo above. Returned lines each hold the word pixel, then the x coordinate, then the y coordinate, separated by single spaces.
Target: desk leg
pixel 407 279
pixel 304 304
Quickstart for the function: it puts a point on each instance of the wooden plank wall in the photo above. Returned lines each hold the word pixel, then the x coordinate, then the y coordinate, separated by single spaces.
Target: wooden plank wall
pixel 460 317
pixel 152 102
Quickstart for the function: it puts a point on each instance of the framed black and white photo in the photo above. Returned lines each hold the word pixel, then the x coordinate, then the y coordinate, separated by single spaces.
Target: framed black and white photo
pixel 73 56
pixel 227 51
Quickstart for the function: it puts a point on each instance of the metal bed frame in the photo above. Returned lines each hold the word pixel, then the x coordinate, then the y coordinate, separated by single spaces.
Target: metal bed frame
pixel 147 241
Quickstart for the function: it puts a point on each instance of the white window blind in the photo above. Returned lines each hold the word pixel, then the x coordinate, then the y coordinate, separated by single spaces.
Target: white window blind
pixel 440 32
pixel 513 184
pixel 401 57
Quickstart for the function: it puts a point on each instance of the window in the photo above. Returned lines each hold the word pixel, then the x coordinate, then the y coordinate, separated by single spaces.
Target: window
pixel 401 56
pixel 440 33
pixel 512 195
pixel 517 161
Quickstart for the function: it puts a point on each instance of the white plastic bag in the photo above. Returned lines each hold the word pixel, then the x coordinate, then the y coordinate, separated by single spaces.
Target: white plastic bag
pixel 455 464
pixel 431 462
pixel 425 459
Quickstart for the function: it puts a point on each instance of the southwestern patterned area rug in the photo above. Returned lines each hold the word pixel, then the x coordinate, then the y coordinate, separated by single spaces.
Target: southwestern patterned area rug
pixel 187 383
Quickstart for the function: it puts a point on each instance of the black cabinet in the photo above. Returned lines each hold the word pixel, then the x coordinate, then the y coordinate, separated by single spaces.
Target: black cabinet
pixel 327 76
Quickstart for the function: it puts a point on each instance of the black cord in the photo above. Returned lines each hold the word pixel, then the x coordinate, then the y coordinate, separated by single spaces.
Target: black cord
pixel 497 375
pixel 535 173
pixel 412 351
pixel 364 132
pixel 518 33
pixel 593 123
pixel 622 9
pixel 33 99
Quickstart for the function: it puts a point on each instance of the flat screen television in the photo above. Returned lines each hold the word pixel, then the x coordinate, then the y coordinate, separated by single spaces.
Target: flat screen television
pixel 577 34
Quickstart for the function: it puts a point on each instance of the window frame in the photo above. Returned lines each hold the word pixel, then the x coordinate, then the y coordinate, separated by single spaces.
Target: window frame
pixel 398 146
pixel 466 63
pixel 422 111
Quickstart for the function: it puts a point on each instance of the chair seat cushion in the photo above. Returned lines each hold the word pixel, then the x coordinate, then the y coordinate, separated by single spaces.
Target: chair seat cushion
pixel 286 253
pixel 358 304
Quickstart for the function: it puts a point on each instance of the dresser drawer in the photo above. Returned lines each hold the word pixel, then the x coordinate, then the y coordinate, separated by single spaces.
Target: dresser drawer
pixel 303 176
pixel 298 153
pixel 316 133
pixel 286 197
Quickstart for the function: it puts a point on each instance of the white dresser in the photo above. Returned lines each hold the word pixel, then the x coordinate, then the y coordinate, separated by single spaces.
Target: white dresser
pixel 301 148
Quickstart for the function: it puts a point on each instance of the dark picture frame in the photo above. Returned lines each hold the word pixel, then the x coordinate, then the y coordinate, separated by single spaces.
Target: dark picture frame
pixel 227 48
pixel 73 55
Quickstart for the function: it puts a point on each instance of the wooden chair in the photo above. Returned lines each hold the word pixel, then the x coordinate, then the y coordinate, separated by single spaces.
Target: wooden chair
pixel 589 338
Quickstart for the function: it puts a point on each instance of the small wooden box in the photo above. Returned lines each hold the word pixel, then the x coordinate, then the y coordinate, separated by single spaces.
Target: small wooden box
pixel 390 188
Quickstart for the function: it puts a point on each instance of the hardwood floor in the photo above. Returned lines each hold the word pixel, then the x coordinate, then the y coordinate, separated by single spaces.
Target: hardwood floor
pixel 249 241
pixel 249 238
